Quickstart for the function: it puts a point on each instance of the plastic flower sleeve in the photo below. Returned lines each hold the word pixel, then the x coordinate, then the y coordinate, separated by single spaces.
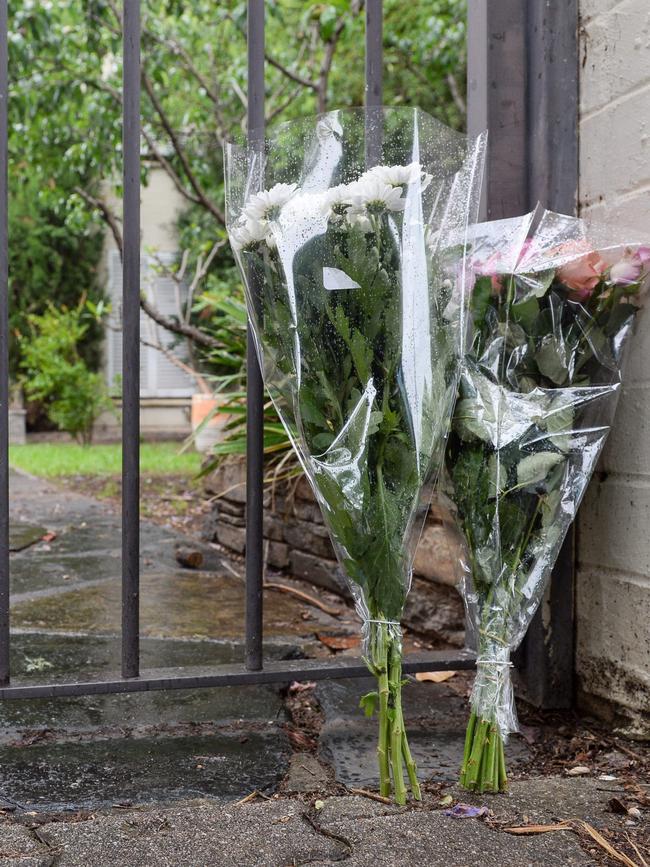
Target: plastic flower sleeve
pixel 551 313
pixel 357 298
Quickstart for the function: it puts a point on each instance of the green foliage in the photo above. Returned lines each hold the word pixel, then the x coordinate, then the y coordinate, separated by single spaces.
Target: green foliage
pixel 65 110
pixel 56 460
pixel 57 375
pixel 48 261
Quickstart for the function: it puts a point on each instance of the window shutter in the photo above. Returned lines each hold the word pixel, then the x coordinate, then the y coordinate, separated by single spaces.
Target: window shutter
pixel 159 377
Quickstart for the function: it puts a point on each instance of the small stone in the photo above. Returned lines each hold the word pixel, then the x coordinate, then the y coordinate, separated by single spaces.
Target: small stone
pixel 578 771
pixel 318 805
pixel 634 812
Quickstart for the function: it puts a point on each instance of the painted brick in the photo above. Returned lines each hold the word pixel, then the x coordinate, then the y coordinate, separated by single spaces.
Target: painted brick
pixel 593 8
pixel 613 44
pixel 613 611
pixel 629 214
pixel 613 525
pixel 613 574
pixel 628 447
pixel 615 149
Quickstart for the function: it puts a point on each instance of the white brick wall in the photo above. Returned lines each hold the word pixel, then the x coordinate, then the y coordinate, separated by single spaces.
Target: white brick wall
pixel 613 581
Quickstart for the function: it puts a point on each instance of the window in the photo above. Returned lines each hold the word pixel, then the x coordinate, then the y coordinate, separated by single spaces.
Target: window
pixel 159 377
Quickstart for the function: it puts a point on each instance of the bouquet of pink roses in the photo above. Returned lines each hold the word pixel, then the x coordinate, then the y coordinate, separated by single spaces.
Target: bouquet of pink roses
pixel 552 310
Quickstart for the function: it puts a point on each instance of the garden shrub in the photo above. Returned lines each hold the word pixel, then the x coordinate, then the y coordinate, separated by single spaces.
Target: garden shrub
pixel 55 373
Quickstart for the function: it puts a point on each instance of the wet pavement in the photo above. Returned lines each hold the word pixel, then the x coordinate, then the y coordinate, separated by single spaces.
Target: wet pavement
pixel 156 778
pixel 434 717
pixel 353 830
pixel 93 751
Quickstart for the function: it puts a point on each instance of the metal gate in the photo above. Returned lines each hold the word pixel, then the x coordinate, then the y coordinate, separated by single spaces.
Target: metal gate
pixel 132 678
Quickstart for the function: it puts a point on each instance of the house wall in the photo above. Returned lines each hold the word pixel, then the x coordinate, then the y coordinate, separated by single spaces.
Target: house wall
pixel 164 411
pixel 613 575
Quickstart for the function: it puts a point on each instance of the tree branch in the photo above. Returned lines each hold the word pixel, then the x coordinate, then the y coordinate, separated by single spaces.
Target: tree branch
pixel 186 368
pixel 167 166
pixel 110 218
pixel 456 94
pixel 328 56
pixel 181 328
pixel 204 200
pixel 294 76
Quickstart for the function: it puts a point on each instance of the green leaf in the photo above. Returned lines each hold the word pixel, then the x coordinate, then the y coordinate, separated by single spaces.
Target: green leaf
pixel 535 285
pixel 558 420
pixel 526 312
pixel 552 360
pixel 368 703
pixel 481 300
pixel 322 441
pixel 536 467
pixel 361 355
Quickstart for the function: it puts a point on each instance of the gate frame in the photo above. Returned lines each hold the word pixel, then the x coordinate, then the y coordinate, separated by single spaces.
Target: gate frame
pixel 132 679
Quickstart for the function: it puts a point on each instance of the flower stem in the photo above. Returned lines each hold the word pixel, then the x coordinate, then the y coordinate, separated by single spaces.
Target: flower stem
pixel 380 662
pixel 397 725
pixel 393 751
pixel 484 766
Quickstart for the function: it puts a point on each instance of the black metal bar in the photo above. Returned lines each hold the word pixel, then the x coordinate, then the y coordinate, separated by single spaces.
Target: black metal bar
pixel 282 671
pixel 523 85
pixel 254 384
pixel 477 79
pixel 374 54
pixel 374 81
pixel 4 354
pixel 131 343
pixel 496 100
pixel 547 664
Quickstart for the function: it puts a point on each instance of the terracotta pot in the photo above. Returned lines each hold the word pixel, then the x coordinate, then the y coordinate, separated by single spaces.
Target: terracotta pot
pixel 205 406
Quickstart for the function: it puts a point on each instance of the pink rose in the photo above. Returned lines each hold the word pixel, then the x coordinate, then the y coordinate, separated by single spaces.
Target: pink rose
pixel 627 270
pixel 583 273
pixel 644 255
pixel 630 267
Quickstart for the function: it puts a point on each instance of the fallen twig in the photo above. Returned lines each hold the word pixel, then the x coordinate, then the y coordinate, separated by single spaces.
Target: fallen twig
pixel 305 597
pixel 373 797
pixel 628 752
pixel 577 826
pixel 251 797
pixel 631 842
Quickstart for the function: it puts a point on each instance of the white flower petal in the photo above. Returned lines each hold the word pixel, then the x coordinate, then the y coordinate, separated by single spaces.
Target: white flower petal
pixel 399 176
pixel 264 205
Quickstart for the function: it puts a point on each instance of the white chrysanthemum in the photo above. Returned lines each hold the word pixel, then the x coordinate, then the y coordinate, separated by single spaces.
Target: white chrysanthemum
pixel 336 202
pixel 249 234
pixel 370 194
pixel 268 204
pixel 399 176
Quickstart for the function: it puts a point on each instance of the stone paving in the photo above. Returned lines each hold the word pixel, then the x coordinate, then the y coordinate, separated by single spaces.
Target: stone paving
pixel 155 778
pixel 282 832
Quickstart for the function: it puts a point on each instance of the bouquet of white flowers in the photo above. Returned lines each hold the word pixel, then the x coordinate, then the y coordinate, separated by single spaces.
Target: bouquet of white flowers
pixel 342 228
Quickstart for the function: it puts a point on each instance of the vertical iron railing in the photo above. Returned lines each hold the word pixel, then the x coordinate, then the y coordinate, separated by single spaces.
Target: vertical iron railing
pixel 131 342
pixel 131 679
pixel 374 53
pixel 254 384
pixel 4 352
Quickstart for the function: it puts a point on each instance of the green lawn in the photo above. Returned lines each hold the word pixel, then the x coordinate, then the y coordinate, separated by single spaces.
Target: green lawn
pixel 69 459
